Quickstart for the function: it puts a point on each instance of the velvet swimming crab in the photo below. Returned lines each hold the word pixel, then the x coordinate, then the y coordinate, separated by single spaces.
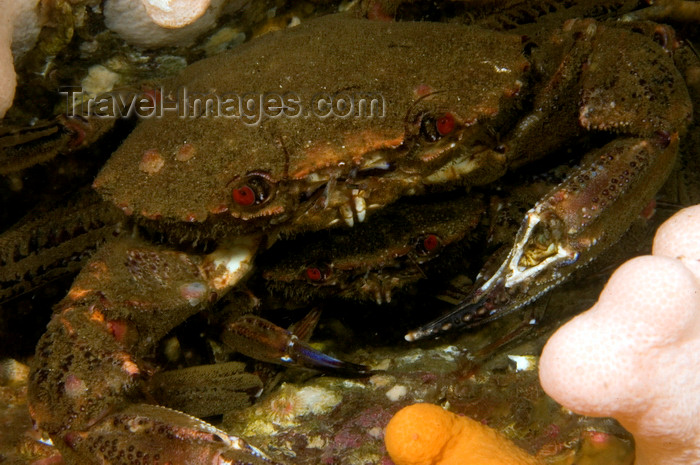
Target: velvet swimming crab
pixel 374 259
pixel 460 106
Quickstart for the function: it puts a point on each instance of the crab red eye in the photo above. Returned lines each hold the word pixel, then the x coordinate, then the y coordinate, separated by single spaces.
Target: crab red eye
pixel 254 188
pixel 445 124
pixel 428 244
pixel 317 274
pixel 244 196
pixel 433 129
pixel 314 274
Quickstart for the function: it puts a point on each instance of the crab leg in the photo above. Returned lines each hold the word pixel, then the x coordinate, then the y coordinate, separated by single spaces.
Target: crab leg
pixel 55 244
pixel 262 340
pixel 90 370
pixel 219 388
pixel 21 148
pixel 570 226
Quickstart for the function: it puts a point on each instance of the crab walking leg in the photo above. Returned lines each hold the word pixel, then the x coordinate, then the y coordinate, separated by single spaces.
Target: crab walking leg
pixel 570 226
pixel 55 244
pixel 262 340
pixel 89 373
pixel 24 147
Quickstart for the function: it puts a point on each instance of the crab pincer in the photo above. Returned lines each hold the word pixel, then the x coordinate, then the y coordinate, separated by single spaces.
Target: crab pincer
pixel 566 229
pixel 599 199
pixel 91 366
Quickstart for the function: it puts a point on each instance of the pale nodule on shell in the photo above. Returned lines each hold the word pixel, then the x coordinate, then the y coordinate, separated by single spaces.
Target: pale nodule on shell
pixel 185 152
pixel 151 162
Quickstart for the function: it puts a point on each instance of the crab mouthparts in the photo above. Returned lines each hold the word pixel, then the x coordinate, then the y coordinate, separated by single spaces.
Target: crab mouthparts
pixel 346 195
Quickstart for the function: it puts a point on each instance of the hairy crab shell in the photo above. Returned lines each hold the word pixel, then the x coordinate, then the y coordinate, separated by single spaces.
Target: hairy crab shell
pixel 296 167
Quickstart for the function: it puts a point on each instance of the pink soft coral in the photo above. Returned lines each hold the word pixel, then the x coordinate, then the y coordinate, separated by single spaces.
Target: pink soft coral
pixel 635 354
pixel 18 31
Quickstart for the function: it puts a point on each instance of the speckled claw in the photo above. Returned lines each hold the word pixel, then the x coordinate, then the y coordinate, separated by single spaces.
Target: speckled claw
pixel 92 365
pixel 262 340
pixel 565 230
pixel 143 433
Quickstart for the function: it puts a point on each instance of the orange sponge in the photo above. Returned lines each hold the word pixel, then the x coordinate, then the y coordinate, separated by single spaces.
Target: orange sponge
pixel 426 434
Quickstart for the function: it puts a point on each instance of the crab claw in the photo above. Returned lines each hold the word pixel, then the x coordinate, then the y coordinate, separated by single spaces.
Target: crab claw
pixel 262 340
pixel 143 431
pixel 533 265
pixel 587 212
pixel 91 370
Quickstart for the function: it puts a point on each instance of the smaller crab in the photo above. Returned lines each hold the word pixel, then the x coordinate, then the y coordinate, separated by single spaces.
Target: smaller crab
pixel 397 248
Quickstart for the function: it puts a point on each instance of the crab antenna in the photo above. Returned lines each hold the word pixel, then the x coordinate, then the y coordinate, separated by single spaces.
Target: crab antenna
pixel 279 140
pixel 413 260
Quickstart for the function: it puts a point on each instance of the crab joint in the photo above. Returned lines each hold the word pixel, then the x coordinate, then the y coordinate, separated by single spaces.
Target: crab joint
pixel 227 265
